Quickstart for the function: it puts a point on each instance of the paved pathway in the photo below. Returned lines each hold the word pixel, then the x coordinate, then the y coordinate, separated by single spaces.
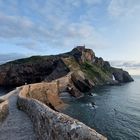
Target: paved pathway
pixel 17 125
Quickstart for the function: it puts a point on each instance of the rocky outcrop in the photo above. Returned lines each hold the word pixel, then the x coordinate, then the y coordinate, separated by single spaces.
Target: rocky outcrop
pixel 47 93
pixel 74 83
pixel 81 54
pixel 79 80
pixel 52 125
pixel 3 109
pixel 32 70
pixel 122 76
pixel 47 68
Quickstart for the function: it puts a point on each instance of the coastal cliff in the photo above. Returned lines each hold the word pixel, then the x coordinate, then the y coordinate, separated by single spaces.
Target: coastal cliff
pixel 74 72
pixel 87 70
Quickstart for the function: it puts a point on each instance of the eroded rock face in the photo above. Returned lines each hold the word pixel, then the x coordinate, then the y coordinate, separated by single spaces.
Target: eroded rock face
pixel 73 91
pixel 4 109
pixel 82 54
pixel 74 83
pixel 81 82
pixel 45 92
pixel 47 68
pixel 122 76
pixel 19 73
pixel 101 63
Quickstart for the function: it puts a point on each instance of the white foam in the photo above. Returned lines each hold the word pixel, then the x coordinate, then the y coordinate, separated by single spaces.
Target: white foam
pixel 93 94
pixel 113 77
pixel 92 106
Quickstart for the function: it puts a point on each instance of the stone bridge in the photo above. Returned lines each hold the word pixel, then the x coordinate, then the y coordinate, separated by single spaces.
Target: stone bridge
pixel 39 102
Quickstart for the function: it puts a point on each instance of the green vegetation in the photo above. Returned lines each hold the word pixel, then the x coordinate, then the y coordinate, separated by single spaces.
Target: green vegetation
pixel 29 60
pixel 71 63
pixel 95 72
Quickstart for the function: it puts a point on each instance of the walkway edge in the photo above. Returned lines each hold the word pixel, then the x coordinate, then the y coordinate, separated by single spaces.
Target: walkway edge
pixel 52 125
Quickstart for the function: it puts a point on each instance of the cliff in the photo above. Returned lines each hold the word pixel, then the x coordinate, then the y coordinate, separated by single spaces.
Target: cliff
pixel 88 70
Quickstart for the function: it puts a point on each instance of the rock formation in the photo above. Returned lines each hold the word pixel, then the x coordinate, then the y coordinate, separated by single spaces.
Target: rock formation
pixel 35 69
pixel 49 124
pixel 75 72
pixel 3 109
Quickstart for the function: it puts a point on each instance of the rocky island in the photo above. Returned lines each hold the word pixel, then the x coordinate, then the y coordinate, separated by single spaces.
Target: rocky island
pixel 44 78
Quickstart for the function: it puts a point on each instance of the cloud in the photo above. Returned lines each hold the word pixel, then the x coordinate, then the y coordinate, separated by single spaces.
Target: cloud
pixel 126 64
pixel 56 23
pixel 31 45
pixel 124 8
pixel 20 27
pixel 133 67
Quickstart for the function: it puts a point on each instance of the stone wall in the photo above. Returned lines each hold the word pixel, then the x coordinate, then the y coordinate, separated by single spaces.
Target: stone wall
pixel 63 82
pixel 47 93
pixel 3 109
pixel 52 125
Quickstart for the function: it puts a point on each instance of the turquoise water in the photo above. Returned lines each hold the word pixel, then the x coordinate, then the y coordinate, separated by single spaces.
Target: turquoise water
pixel 117 111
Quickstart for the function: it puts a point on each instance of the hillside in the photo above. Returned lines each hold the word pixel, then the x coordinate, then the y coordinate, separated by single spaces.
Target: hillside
pixel 81 62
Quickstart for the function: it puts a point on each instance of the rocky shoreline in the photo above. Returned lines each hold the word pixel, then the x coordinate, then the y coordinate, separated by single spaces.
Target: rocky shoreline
pixel 87 70
pixel 46 78
pixel 50 124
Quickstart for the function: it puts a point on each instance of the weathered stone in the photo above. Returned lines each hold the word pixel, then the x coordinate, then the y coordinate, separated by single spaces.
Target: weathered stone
pixel 17 125
pixel 3 110
pixel 122 76
pixel 81 82
pixel 82 54
pixel 47 68
pixel 48 93
pixel 32 71
pixel 74 91
pixel 52 125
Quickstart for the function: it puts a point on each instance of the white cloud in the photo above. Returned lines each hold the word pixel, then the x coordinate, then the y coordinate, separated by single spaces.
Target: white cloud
pixel 31 45
pixel 133 67
pixel 19 27
pixel 93 2
pixel 52 22
pixel 124 8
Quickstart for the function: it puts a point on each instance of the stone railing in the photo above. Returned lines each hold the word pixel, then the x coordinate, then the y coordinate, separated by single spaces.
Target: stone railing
pixel 49 124
pixel 4 104
pixel 3 109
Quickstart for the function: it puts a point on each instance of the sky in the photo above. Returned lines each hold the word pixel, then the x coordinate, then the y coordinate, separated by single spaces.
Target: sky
pixel 42 27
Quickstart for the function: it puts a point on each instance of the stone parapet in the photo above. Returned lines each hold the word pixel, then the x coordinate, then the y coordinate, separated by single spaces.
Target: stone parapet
pixel 53 125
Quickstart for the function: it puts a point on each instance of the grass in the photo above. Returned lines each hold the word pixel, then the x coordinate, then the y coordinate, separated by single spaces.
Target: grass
pixel 29 60
pixel 95 73
pixel 71 63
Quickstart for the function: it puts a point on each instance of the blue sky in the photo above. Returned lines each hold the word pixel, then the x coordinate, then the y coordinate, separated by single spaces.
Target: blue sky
pixel 38 27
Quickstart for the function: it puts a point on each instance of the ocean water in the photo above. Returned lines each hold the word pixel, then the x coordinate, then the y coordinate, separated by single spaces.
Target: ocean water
pixel 116 114
pixel 4 90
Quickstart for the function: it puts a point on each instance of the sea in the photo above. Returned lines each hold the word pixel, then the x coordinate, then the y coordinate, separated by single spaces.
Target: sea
pixel 113 111
pixel 5 90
